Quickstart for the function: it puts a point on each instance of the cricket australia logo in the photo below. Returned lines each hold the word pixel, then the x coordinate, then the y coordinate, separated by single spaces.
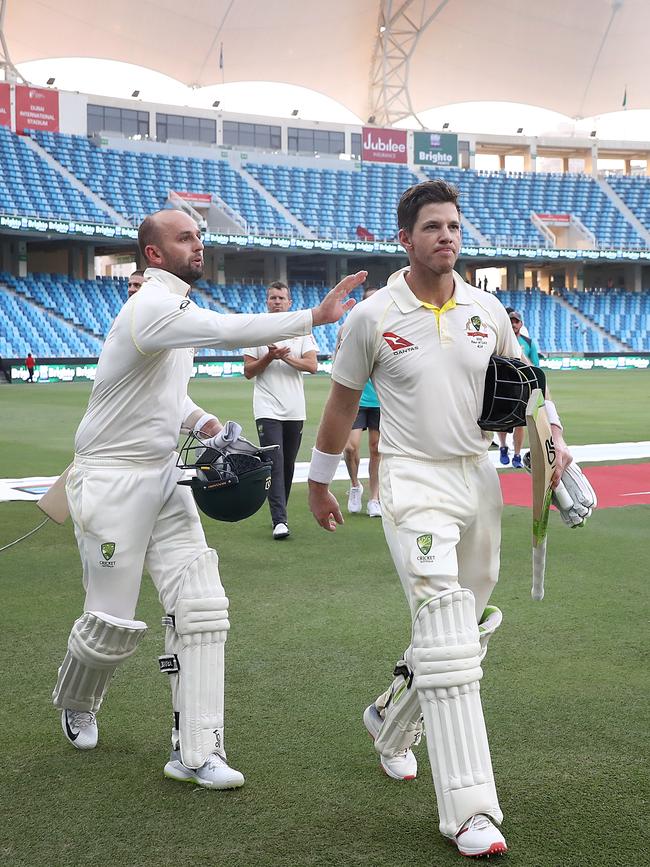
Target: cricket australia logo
pixel 107 549
pixel 424 543
pixel 399 345
pixel 477 331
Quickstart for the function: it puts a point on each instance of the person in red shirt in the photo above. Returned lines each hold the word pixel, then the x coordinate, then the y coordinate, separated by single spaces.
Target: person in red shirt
pixel 30 364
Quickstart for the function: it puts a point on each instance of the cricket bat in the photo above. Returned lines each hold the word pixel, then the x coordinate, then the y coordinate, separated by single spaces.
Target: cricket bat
pixel 54 501
pixel 542 461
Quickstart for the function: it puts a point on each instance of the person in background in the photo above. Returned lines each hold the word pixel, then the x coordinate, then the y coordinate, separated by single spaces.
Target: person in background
pixel 30 364
pixel 279 402
pixel 531 353
pixel 135 282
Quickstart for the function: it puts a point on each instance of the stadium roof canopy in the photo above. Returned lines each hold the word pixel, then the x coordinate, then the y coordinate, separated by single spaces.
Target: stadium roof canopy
pixel 577 57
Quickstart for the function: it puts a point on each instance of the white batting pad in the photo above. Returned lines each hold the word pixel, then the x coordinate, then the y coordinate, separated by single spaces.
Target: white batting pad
pixel 446 660
pixel 402 727
pixel 197 640
pixel 98 643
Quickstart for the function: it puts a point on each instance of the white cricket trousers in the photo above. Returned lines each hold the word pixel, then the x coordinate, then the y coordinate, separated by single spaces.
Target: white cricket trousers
pixel 458 504
pixel 443 526
pixel 129 516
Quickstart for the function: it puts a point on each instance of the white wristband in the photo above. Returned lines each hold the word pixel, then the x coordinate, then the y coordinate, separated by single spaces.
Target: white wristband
pixel 323 466
pixel 551 413
pixel 206 417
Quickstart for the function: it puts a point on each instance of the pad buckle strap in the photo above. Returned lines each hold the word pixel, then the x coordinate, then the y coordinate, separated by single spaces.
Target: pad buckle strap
pixel 168 620
pixel 169 664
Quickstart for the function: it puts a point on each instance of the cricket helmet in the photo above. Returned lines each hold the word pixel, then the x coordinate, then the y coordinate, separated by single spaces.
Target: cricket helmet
pixel 509 383
pixel 226 487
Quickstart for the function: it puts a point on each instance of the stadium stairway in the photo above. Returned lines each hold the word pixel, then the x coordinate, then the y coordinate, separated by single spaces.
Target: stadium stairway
pixel 303 231
pixel 75 182
pixel 620 204
pixel 591 323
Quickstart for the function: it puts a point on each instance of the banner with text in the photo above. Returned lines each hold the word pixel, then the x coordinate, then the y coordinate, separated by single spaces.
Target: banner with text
pixel 435 149
pixel 5 103
pixel 383 145
pixel 37 108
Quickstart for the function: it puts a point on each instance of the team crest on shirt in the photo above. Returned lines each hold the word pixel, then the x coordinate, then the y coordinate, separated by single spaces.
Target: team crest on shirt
pixel 477 331
pixel 107 549
pixel 399 345
pixel 424 543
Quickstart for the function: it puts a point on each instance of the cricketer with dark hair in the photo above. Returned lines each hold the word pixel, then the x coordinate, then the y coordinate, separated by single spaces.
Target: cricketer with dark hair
pixel 425 340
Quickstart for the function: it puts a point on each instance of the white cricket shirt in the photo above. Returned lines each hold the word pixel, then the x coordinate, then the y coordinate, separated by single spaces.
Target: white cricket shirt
pixel 139 398
pixel 428 369
pixel 279 390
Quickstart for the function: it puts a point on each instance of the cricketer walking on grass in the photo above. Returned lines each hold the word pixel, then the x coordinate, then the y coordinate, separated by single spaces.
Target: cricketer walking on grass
pixel 129 513
pixel 425 340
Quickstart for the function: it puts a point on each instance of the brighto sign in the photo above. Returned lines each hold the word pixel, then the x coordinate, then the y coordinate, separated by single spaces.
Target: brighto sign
pixel 435 158
pixel 388 146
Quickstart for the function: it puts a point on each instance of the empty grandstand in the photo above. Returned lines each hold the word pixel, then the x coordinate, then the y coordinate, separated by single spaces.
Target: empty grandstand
pixel 308 201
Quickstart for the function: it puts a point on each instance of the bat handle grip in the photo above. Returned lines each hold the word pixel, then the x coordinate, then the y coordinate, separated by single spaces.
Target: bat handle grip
pixel 563 497
pixel 539 570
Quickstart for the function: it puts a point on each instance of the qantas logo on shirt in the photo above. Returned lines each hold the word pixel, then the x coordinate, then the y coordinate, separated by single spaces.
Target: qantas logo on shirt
pixel 399 345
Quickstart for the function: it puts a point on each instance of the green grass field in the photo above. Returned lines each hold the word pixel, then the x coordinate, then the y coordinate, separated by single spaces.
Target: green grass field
pixel 317 623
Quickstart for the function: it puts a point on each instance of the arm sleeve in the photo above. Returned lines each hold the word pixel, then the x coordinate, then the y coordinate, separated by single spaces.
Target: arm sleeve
pixel 308 345
pixel 534 353
pixel 172 322
pixel 355 355
pixel 507 343
pixel 191 413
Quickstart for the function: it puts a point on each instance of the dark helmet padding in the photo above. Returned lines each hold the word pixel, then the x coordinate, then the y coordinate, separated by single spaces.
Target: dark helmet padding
pixel 509 383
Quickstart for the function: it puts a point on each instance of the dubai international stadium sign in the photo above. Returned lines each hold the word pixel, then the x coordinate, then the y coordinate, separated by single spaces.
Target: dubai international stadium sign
pixel 435 149
pixel 37 108
pixel 383 145
pixel 5 103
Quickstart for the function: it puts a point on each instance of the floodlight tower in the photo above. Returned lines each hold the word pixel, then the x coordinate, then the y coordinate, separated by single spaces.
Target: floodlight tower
pixel 401 23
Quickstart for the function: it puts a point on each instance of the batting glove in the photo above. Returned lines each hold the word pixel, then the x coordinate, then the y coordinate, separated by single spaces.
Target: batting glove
pixel 582 495
pixel 574 498
pixel 229 442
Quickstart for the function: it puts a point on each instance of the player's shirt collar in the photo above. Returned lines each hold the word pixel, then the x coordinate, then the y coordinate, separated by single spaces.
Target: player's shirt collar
pixel 407 302
pixel 171 281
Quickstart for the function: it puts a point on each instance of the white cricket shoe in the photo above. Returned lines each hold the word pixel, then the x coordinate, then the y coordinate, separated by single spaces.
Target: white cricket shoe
pixel 478 836
pixel 374 509
pixel 214 774
pixel 401 765
pixel 80 728
pixel 354 498
pixel 280 531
